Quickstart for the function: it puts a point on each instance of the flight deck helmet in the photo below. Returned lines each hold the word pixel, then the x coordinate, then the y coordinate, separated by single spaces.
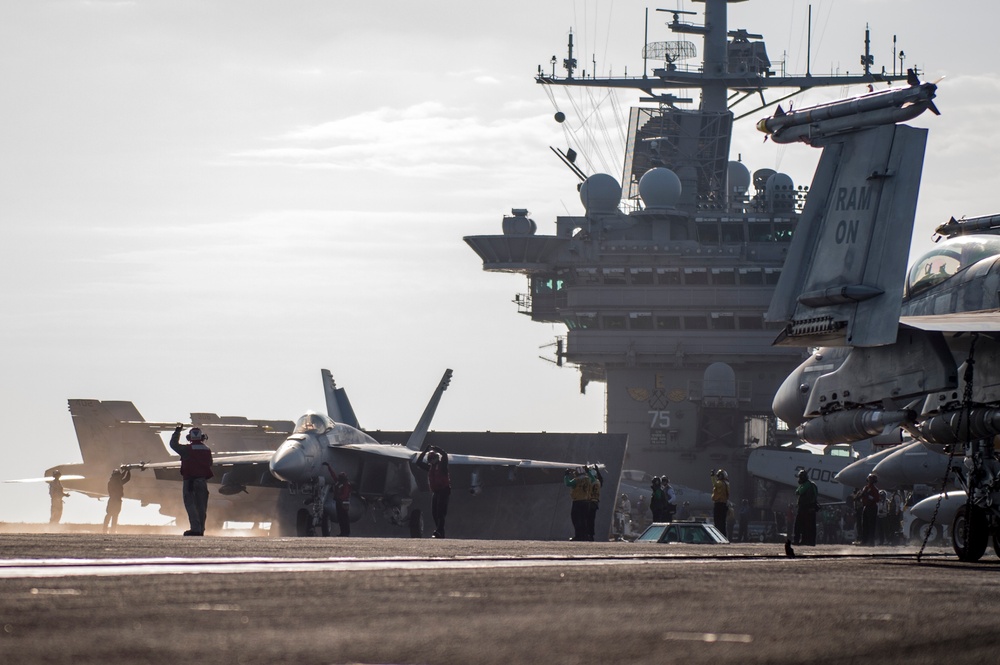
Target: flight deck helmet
pixel 803 476
pixel 196 435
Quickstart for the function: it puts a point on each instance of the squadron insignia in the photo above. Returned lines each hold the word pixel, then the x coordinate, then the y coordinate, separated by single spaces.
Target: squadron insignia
pixel 638 394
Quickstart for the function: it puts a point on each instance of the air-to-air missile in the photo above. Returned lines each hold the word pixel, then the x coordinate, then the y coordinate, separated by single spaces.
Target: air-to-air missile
pixel 869 110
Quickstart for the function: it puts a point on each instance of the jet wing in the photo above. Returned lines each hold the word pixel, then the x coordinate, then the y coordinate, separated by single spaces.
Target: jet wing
pixel 248 465
pixel 986 321
pixel 48 479
pixel 469 471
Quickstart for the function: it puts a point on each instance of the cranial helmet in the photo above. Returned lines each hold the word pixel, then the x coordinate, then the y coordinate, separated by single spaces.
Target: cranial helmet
pixel 722 475
pixel 872 478
pixel 196 435
pixel 803 475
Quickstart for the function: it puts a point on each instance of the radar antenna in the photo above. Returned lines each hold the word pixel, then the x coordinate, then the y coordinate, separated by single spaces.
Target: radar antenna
pixel 670 52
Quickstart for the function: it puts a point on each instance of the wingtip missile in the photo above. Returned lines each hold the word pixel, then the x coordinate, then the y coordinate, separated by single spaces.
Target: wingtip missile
pixel 868 110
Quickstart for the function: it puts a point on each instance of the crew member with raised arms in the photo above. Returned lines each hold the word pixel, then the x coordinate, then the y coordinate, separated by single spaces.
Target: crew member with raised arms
pixel 196 469
pixel 439 480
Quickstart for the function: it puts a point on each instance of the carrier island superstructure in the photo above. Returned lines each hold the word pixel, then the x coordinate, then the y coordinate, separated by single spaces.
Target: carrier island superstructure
pixel 664 281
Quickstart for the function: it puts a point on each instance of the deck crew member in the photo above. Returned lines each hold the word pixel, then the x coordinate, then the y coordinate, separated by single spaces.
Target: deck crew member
pixel 56 494
pixel 439 480
pixel 720 497
pixel 196 469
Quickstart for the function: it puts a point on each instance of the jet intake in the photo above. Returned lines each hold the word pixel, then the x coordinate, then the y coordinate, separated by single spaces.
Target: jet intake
pixel 852 425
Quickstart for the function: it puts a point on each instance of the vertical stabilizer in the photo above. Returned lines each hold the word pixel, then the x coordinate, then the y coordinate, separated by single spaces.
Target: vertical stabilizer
pixel 338 406
pixel 842 283
pixel 112 433
pixel 416 440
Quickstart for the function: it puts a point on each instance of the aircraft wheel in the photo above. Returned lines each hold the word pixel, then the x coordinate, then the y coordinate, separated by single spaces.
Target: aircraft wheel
pixel 416 524
pixel 919 529
pixel 979 534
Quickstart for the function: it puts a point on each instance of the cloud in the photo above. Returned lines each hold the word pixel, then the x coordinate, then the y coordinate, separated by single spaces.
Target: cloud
pixel 427 140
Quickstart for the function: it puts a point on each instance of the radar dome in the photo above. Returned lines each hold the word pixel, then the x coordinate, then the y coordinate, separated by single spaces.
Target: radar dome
pixel 739 177
pixel 600 193
pixel 760 177
pixel 781 192
pixel 719 380
pixel 660 188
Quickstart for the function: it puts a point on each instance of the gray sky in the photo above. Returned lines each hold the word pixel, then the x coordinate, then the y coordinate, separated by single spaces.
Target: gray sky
pixel 203 203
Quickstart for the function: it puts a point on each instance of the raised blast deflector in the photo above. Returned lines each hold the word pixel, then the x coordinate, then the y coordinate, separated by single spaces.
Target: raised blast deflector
pixel 842 283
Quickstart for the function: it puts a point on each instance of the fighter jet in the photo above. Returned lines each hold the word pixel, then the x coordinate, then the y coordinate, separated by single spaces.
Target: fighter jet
pixel 913 348
pixel 382 474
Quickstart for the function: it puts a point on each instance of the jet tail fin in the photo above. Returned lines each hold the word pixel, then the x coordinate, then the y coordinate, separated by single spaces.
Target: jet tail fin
pixel 842 283
pixel 112 433
pixel 338 406
pixel 416 440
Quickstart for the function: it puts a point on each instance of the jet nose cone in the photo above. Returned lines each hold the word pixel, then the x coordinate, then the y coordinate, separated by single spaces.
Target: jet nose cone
pixel 289 463
pixel 856 473
pixel 910 464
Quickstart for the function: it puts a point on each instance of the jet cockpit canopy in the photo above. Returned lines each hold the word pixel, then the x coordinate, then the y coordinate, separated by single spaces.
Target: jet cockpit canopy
pixel 948 258
pixel 313 423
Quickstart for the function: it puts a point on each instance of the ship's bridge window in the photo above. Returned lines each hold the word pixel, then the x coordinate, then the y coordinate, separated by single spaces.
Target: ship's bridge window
pixel 760 232
pixel 695 323
pixel 668 276
pixel 313 423
pixel 751 322
pixel 587 276
pixel 732 232
pixel 695 276
pixel 751 276
pixel 783 232
pixel 948 258
pixel 669 322
pixel 640 320
pixel 723 276
pixel 615 276
pixel 708 234
pixel 723 321
pixel 641 275
pixel 586 320
pixel 613 322
pixel 547 284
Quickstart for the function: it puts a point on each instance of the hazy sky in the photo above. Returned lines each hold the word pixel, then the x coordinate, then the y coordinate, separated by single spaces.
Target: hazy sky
pixel 203 203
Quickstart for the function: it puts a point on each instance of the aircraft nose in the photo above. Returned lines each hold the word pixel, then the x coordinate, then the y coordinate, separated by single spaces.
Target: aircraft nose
pixel 856 473
pixel 289 463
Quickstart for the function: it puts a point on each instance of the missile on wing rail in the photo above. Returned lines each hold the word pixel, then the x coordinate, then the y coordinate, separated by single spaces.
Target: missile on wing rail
pixel 876 108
